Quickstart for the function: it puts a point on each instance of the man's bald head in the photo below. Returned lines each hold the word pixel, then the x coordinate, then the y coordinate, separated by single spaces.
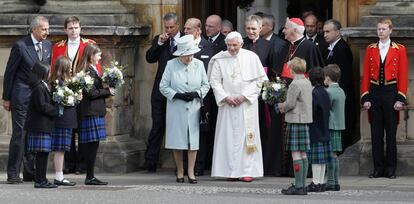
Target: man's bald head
pixel 310 25
pixel 213 25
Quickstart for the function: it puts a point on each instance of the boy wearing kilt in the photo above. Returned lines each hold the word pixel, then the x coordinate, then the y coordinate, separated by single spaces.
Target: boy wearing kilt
pixel 64 125
pixel 40 122
pixel 298 109
pixel 92 112
pixel 320 148
pixel 336 122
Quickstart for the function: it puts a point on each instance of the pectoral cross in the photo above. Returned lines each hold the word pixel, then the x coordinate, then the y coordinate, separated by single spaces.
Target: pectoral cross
pixel 233 76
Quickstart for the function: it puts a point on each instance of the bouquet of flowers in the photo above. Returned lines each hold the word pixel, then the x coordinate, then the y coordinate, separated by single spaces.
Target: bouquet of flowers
pixel 64 96
pixel 274 92
pixel 81 81
pixel 113 76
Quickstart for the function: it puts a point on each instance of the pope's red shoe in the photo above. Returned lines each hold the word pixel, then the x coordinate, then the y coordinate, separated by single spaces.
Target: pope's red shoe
pixel 247 179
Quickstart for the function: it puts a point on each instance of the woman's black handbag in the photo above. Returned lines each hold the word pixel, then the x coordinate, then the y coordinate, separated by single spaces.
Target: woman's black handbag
pixel 204 116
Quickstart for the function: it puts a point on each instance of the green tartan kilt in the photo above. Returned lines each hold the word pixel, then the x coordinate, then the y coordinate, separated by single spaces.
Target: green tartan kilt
pixel 297 137
pixel 336 140
pixel 320 153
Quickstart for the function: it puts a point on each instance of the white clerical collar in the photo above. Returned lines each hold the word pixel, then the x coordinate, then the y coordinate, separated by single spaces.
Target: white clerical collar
pixel 197 40
pixel 34 40
pixel 332 45
pixel 76 41
pixel 384 45
pixel 255 40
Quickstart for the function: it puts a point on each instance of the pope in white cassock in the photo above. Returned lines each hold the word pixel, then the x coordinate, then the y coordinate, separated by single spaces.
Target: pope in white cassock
pixel 236 76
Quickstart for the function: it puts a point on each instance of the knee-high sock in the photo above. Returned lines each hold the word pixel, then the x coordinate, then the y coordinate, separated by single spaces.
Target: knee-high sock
pixel 305 170
pixel 322 175
pixel 90 156
pixel 41 166
pixel 316 173
pixel 331 172
pixel 298 171
pixel 336 173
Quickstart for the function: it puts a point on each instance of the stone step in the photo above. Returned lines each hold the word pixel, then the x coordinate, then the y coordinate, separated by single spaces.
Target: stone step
pixel 86 7
pixel 58 19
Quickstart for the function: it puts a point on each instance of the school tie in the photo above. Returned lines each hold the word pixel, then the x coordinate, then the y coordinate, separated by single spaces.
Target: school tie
pixel 329 54
pixel 39 50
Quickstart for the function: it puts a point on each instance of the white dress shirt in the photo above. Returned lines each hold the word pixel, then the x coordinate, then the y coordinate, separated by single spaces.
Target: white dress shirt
pixel 383 48
pixel 73 47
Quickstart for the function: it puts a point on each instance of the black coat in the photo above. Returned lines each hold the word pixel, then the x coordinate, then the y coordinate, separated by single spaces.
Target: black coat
pixel 19 67
pixel 321 44
pixel 93 101
pixel 42 112
pixel 206 52
pixel 219 44
pixel 342 56
pixel 319 129
pixel 162 55
pixel 278 50
pixel 307 51
pixel 262 49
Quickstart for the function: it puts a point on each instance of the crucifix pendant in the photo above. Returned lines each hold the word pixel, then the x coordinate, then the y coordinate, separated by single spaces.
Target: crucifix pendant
pixel 233 76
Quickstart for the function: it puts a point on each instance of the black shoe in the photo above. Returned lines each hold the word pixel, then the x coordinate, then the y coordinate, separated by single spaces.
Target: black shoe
pixel 335 187
pixel 150 167
pixel 323 186
pixel 64 182
pixel 179 180
pixel 192 181
pixel 80 171
pixel 391 176
pixel 292 190
pixel 14 180
pixel 312 187
pixel 45 184
pixel 376 174
pixel 199 172
pixel 69 171
pixel 28 178
pixel 95 181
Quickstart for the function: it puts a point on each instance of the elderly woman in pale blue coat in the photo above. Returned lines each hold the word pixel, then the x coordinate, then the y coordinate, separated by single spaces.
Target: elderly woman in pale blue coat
pixel 184 83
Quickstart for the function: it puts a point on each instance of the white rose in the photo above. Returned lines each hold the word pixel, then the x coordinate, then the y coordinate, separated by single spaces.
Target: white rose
pixel 116 63
pixel 264 95
pixel 70 100
pixel 276 87
pixel 278 78
pixel 60 92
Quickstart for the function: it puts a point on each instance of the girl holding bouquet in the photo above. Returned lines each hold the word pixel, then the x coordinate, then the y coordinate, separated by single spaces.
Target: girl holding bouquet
pixel 40 121
pixel 64 125
pixel 92 112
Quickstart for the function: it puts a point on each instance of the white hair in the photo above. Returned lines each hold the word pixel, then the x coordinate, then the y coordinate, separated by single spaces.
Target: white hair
pixel 298 28
pixel 234 35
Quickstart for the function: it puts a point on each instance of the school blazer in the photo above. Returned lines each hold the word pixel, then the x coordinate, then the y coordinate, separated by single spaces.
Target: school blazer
pixel 42 112
pixel 93 102
pixel 298 104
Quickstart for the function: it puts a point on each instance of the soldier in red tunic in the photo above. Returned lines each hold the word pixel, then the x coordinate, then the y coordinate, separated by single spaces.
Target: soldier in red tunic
pixel 72 47
pixel 383 94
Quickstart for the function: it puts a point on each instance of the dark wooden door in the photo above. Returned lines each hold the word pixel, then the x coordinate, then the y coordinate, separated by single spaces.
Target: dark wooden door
pixel 201 9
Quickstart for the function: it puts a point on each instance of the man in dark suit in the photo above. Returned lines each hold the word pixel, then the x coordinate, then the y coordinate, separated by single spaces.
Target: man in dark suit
pixel 339 53
pixel 204 154
pixel 311 33
pixel 16 94
pixel 213 34
pixel 273 147
pixel 161 51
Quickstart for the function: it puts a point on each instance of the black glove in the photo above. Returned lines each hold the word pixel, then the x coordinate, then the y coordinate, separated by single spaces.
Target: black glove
pixel 192 95
pixel 182 96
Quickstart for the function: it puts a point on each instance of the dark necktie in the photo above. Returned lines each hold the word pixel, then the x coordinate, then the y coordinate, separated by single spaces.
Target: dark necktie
pixel 39 50
pixel 173 45
pixel 210 39
pixel 329 54
pixel 253 47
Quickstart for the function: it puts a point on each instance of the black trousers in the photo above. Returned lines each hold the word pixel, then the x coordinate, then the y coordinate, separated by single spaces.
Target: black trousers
pixel 74 159
pixel 383 117
pixel 155 138
pixel 17 146
pixel 273 146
